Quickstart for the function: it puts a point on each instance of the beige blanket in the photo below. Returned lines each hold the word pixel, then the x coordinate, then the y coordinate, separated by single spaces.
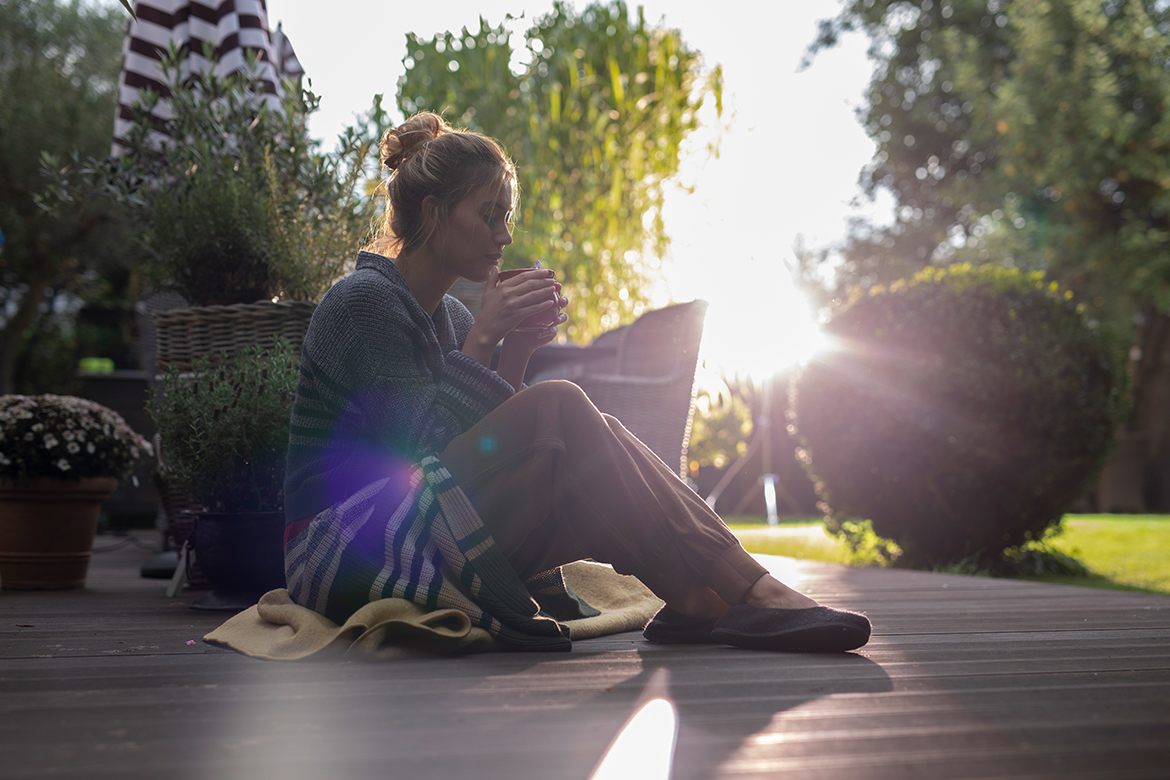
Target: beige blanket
pixel 277 629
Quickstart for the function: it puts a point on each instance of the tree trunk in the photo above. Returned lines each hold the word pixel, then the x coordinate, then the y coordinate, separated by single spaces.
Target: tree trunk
pixel 1150 412
pixel 14 331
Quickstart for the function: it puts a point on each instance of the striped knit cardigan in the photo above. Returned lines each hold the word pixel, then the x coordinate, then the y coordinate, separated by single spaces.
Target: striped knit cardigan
pixel 371 511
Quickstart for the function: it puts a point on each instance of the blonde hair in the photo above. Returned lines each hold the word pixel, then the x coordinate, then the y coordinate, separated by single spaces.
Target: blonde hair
pixel 428 157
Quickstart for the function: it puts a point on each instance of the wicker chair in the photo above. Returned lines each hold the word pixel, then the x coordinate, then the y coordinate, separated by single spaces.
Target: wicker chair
pixel 643 374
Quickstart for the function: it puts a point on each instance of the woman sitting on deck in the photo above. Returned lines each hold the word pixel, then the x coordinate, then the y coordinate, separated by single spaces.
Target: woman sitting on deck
pixel 416 471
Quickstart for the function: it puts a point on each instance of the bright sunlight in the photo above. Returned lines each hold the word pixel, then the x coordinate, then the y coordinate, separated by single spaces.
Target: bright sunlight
pixel 760 331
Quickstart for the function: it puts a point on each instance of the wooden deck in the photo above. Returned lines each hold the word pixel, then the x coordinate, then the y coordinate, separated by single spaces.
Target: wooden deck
pixel 964 678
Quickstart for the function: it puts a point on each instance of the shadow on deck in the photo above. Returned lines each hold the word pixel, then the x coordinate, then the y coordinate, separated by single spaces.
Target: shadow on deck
pixel 963 678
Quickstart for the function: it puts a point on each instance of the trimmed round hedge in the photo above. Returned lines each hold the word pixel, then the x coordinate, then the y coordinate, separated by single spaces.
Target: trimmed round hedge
pixel 962 411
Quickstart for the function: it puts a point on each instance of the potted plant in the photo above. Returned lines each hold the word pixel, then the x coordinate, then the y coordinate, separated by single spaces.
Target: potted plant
pixel 239 204
pixel 223 431
pixel 60 456
pixel 240 212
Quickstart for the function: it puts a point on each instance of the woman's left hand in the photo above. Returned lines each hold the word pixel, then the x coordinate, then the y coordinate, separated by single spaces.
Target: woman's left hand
pixel 531 340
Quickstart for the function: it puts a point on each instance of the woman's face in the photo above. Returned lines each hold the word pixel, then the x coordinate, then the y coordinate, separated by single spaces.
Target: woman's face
pixel 474 235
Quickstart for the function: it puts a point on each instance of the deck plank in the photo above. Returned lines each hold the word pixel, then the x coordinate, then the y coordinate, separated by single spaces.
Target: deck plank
pixel 964 678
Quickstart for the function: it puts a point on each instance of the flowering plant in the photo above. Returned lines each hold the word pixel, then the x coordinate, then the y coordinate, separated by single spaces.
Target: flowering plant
pixel 65 437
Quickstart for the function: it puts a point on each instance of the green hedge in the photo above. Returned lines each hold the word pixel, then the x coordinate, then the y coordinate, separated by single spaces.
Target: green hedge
pixel 962 411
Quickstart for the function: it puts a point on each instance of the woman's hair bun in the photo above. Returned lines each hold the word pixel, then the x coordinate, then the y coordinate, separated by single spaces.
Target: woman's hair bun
pixel 399 143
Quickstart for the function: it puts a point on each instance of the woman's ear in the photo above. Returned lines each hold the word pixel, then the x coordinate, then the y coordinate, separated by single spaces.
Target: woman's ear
pixel 430 213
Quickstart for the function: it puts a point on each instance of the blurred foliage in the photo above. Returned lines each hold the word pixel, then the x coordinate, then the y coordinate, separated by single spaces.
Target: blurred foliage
pixel 236 202
pixel 962 412
pixel 1033 134
pixel 59 65
pixel 732 420
pixel 1030 134
pixel 722 426
pixel 595 120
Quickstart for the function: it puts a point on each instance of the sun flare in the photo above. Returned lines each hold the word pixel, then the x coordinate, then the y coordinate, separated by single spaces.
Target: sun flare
pixel 760 331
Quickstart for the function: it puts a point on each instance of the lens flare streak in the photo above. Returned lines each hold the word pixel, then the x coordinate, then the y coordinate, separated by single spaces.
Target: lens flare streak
pixel 645 747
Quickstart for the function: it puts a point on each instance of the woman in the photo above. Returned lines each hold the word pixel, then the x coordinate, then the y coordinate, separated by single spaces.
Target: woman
pixel 416 471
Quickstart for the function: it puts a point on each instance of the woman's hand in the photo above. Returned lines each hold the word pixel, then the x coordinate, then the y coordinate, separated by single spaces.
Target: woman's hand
pixel 508 302
pixel 531 340
pixel 505 304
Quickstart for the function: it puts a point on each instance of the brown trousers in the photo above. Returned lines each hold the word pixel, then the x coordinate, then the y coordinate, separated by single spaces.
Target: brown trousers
pixel 555 480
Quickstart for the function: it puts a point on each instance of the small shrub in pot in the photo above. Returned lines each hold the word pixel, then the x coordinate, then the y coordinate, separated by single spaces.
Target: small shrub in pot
pixel 224 427
pixel 962 411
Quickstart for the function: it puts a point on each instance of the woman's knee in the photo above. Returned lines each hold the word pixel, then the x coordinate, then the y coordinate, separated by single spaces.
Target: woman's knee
pixel 559 391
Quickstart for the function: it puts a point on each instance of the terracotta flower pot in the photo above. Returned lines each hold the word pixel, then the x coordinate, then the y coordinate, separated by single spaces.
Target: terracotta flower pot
pixel 46 531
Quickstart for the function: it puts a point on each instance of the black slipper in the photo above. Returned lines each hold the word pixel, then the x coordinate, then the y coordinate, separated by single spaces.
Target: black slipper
pixel 816 629
pixel 668 627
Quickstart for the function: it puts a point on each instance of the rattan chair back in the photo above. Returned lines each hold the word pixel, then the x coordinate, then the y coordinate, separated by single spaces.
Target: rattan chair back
pixel 649 384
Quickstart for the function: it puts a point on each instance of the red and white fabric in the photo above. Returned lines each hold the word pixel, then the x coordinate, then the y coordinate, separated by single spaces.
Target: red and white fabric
pixel 235 29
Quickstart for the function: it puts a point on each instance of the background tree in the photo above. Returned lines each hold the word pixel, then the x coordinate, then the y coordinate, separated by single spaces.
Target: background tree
pixel 595 120
pixel 59 65
pixel 1032 134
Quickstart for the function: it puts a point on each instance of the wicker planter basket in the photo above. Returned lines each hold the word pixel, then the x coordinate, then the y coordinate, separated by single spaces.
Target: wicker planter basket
pixel 184 334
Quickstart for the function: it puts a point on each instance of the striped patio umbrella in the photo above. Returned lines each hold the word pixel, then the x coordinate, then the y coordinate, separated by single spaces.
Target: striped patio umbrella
pixel 234 29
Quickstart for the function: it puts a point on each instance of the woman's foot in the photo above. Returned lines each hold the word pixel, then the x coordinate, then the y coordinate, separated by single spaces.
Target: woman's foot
pixel 668 627
pixel 687 618
pixel 816 629
pixel 772 593
pixel 771 616
pixel 700 603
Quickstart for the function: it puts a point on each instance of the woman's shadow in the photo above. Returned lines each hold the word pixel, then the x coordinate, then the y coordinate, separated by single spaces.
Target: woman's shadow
pixel 727 700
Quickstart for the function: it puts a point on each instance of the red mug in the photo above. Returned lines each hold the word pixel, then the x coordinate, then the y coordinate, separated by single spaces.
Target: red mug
pixel 542 319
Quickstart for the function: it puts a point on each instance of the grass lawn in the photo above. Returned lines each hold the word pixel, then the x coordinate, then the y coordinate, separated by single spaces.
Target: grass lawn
pixel 1130 552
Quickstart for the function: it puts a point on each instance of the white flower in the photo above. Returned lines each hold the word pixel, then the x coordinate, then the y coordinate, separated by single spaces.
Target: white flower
pixel 38 427
pixel 79 435
pixel 63 464
pixel 67 436
pixel 4 461
pixel 90 448
pixel 134 452
pixel 50 441
pixel 29 436
pixel 73 447
pixel 69 423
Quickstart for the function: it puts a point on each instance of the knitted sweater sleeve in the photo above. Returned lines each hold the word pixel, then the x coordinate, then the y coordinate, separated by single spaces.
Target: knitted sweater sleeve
pixel 382 386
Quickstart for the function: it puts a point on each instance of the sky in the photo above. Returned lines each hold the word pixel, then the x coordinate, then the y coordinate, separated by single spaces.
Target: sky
pixel 790 154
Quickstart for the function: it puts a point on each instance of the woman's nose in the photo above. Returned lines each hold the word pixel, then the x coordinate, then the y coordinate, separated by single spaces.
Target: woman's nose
pixel 504 237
